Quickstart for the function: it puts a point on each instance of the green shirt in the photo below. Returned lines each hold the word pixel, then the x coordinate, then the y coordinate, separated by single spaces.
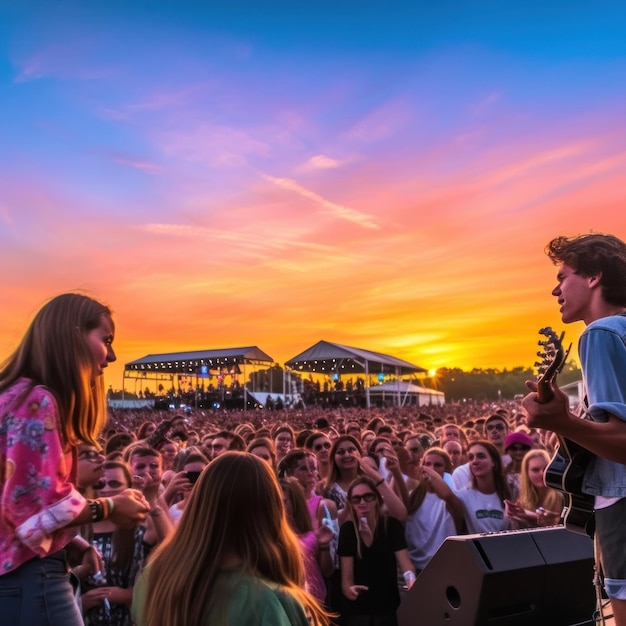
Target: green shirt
pixel 244 600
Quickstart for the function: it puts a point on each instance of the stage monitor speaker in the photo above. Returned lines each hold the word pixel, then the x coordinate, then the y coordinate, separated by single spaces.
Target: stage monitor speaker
pixel 540 577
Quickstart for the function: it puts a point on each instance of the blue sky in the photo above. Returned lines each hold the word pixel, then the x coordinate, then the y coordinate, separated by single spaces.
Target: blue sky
pixel 384 175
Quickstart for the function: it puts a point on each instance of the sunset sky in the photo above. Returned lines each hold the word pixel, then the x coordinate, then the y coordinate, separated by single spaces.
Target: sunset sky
pixel 384 175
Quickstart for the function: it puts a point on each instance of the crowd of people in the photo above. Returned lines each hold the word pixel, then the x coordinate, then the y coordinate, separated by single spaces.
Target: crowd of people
pixel 234 517
pixel 369 495
pixel 113 518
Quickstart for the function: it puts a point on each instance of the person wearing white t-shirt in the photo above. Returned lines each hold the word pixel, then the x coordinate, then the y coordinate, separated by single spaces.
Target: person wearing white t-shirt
pixel 483 499
pixel 496 429
pixel 435 513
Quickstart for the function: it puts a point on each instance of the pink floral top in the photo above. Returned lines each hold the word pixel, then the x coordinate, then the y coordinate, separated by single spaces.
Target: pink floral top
pixel 37 494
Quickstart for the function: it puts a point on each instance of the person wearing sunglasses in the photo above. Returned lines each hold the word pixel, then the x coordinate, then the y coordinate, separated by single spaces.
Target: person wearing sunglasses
pixel 320 444
pixel 517 444
pixel 372 548
pixel 90 468
pixel 106 596
pixel 346 465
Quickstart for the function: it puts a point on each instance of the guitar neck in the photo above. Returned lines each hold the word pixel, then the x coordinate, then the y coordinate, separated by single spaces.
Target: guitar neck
pixel 544 391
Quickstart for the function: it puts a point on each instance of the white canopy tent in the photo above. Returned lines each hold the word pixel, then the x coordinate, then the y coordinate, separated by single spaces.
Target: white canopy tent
pixel 407 393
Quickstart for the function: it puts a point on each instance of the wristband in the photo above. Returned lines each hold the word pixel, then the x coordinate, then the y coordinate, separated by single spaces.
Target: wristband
pixel 380 482
pixel 409 577
pixel 111 505
pixel 97 512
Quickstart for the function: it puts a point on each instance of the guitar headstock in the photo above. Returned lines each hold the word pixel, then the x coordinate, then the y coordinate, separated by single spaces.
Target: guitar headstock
pixel 553 358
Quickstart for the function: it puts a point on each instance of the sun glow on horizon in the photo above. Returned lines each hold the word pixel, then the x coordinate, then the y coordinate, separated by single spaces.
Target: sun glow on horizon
pixel 222 179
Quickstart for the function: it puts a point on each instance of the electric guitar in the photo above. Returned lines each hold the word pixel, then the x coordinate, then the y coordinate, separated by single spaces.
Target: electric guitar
pixel 567 467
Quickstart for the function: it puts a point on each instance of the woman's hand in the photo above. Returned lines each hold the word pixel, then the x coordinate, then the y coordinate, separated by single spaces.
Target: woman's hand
pixel 324 536
pixel 369 471
pixel 179 483
pixel 393 464
pixel 95 598
pixel 148 485
pixel 353 591
pixel 90 563
pixel 129 508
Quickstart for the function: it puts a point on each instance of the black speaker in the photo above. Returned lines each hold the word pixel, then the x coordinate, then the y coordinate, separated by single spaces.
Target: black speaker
pixel 532 577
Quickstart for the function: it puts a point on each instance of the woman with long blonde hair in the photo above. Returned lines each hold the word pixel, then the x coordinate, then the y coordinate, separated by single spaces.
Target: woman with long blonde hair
pixel 233 558
pixel 538 504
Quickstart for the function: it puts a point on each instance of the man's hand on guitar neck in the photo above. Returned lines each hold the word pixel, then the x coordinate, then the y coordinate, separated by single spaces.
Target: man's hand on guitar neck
pixel 553 414
pixel 604 439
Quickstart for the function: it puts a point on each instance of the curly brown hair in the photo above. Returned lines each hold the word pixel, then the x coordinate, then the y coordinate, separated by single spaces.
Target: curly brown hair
pixel 594 254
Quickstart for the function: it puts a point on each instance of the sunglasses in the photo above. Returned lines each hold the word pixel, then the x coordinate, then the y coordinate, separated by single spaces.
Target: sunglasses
pixel 366 497
pixel 321 446
pixel 113 484
pixel 495 427
pixel 519 448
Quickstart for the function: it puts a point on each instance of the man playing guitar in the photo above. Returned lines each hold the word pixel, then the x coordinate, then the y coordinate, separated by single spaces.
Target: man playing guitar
pixel 591 287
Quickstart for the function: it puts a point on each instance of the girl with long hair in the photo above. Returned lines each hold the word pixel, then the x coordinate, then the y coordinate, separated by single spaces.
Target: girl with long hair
pixel 484 498
pixel 52 399
pixel 371 549
pixel 347 464
pixel 538 504
pixel 315 544
pixel 233 558
pixel 302 465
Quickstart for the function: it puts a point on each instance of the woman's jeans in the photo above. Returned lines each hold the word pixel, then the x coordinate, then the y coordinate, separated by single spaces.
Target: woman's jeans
pixel 38 593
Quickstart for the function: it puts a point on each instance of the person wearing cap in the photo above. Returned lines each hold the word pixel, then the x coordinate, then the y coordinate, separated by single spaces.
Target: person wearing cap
pixel 516 445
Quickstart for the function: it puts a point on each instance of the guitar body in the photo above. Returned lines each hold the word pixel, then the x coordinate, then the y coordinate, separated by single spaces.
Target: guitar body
pixel 566 469
pixel 565 474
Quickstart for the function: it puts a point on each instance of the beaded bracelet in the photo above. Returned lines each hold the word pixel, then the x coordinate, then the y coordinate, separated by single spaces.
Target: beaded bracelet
pixel 97 510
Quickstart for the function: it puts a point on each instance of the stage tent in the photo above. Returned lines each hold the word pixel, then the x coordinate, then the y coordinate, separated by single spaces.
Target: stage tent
pixel 405 392
pixel 336 359
pixel 198 364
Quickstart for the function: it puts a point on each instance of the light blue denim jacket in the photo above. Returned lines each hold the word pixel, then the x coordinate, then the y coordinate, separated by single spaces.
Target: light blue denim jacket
pixel 602 351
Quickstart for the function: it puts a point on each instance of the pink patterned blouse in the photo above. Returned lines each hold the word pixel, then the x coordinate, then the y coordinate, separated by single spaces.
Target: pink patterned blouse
pixel 37 493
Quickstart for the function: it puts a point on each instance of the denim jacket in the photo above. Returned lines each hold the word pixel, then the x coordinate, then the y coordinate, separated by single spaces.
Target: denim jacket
pixel 602 351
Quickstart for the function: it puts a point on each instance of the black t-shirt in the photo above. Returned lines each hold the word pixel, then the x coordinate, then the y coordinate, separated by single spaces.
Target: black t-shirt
pixel 377 569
